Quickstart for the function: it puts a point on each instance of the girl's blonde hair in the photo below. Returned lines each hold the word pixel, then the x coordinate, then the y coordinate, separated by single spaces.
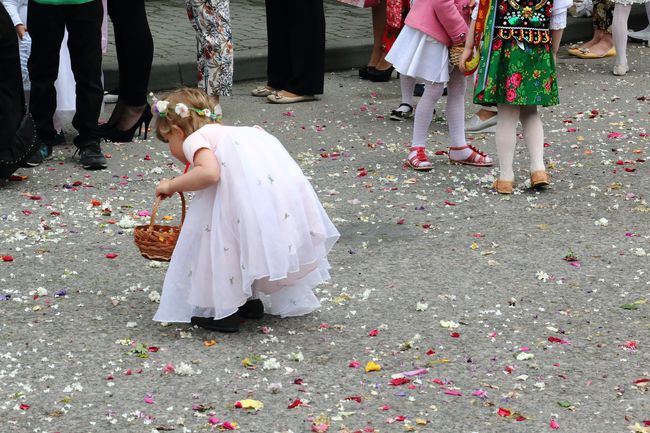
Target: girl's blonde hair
pixel 195 99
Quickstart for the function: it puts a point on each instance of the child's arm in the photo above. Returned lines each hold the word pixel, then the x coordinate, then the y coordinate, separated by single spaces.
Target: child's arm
pixel 12 9
pixel 453 22
pixel 206 172
pixel 469 47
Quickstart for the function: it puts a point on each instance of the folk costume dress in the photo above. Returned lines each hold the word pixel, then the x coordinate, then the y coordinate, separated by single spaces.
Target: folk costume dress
pixel 259 232
pixel 516 58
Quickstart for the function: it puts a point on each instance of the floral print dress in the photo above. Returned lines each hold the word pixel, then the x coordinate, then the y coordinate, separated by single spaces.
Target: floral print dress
pixel 516 59
pixel 211 20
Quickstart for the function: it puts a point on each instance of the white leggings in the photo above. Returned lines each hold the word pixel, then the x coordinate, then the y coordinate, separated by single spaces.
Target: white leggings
pixel 506 137
pixel 455 109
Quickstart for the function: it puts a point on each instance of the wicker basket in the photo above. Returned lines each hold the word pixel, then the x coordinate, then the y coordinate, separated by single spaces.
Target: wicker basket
pixel 155 241
pixel 455 53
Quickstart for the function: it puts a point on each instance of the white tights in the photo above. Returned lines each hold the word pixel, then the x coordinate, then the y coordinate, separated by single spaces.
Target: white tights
pixel 619 31
pixel 455 111
pixel 506 137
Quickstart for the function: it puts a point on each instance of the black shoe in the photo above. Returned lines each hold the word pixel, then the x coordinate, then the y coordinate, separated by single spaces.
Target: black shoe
pixel 400 115
pixel 363 71
pixel 35 160
pixel 252 309
pixel 44 153
pixel 59 139
pixel 418 90
pixel 91 156
pixel 118 136
pixel 379 75
pixel 227 324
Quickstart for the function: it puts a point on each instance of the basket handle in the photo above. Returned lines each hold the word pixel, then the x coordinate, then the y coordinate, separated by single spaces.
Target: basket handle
pixel 156 205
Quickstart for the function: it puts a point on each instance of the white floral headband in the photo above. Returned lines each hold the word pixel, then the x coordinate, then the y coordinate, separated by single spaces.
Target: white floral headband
pixel 161 108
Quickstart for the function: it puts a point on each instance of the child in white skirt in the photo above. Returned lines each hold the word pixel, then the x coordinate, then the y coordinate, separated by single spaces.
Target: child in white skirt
pixel 255 228
pixel 422 51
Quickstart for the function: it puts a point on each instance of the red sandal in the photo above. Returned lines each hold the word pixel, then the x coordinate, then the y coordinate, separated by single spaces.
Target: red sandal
pixel 417 159
pixel 476 158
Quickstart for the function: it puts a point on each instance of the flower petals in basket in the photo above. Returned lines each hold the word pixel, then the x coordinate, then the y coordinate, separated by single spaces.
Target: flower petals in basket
pixel 156 241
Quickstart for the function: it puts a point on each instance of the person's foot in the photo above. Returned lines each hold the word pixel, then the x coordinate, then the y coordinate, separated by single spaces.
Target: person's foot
pixel 482 123
pixel 403 112
pixel 286 97
pixel 382 65
pixel 642 35
pixel 602 48
pixel 227 324
pixel 417 159
pixel 620 70
pixel 91 156
pixel 252 309
pixel 44 153
pixel 263 91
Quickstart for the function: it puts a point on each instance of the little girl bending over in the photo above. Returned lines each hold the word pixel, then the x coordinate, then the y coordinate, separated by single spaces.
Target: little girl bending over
pixel 422 51
pixel 516 72
pixel 255 228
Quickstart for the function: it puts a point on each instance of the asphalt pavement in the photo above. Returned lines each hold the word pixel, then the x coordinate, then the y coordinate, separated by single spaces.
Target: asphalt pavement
pixel 451 308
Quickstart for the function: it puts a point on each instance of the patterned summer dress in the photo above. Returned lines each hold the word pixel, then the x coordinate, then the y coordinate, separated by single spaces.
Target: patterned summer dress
pixel 516 64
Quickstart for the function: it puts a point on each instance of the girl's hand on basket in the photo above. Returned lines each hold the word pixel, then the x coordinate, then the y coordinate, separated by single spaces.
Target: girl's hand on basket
pixel 164 189
pixel 467 54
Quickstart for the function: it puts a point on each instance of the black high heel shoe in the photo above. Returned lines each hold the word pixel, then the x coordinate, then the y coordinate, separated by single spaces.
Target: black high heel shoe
pixel 118 136
pixel 380 75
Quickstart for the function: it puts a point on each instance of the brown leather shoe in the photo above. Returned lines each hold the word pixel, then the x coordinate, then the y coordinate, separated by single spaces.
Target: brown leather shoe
pixel 503 186
pixel 539 179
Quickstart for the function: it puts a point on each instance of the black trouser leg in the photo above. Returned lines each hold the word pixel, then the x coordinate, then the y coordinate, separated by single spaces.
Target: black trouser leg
pixel 278 58
pixel 134 47
pixel 306 47
pixel 46 26
pixel 12 97
pixel 84 24
pixel 14 146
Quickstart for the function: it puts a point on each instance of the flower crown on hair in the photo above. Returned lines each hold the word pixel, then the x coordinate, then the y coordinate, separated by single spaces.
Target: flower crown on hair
pixel 161 108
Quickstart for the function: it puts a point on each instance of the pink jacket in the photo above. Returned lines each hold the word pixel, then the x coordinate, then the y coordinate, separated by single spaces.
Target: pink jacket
pixel 446 21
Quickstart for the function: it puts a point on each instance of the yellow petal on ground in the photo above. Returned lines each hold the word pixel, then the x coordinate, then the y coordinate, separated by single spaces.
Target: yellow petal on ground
pixel 421 421
pixel 251 404
pixel 168 218
pixel 372 366
pixel 248 363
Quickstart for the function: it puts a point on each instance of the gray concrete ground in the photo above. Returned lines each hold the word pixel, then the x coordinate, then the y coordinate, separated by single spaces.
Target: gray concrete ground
pixel 349 40
pixel 462 297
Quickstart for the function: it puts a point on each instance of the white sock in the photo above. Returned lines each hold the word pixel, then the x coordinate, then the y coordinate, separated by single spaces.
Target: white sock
pixel 619 31
pixel 455 111
pixel 533 136
pixel 407 84
pixel 424 112
pixel 506 139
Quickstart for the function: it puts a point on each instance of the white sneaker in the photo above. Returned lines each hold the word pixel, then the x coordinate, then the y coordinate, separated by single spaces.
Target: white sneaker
pixel 475 124
pixel 643 35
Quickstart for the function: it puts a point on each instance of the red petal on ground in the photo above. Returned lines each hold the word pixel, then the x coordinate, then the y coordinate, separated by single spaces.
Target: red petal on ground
pixel 503 412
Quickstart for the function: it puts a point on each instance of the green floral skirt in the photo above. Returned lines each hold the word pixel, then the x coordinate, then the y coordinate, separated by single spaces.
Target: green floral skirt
pixel 517 76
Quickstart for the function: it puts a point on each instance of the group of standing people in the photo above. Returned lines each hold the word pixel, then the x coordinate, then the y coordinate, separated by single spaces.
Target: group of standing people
pixel 48 24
